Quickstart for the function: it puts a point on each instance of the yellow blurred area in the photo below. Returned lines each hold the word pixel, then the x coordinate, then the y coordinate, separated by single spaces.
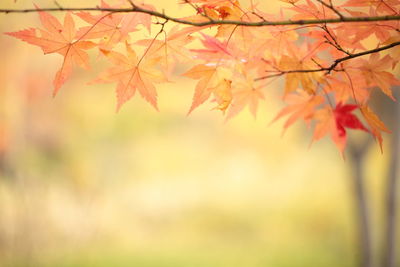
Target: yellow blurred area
pixel 81 185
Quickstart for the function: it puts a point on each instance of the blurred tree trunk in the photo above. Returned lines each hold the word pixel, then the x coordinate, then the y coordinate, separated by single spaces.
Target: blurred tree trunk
pixel 392 188
pixel 389 111
pixel 357 153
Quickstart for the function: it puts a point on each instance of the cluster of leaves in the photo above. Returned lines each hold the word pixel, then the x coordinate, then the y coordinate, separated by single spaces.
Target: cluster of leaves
pixel 330 70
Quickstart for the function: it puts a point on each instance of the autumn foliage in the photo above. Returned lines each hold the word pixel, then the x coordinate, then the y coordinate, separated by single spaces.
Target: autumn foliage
pixel 330 69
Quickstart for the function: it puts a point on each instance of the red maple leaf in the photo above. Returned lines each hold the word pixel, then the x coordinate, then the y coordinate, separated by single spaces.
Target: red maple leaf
pixel 344 118
pixel 335 122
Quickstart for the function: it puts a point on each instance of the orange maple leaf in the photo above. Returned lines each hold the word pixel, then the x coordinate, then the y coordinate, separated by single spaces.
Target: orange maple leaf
pixel 246 92
pixel 299 59
pixel 300 106
pixel 132 19
pixel 105 26
pixel 377 126
pixel 213 47
pixel 132 74
pixel 374 72
pixel 61 39
pixel 223 94
pixel 381 6
pixel 170 50
pixel 209 78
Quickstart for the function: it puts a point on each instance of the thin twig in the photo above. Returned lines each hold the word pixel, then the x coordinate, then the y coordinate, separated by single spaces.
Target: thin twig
pixel 333 65
pixel 335 42
pixel 331 7
pixel 132 4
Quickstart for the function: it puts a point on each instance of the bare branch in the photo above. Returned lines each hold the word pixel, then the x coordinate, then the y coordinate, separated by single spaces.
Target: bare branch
pixel 132 4
pixel 335 43
pixel 333 65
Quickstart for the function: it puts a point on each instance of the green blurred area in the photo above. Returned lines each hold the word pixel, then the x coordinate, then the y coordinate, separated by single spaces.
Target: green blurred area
pixel 81 185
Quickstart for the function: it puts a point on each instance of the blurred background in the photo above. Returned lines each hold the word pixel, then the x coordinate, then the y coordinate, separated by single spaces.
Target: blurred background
pixel 81 185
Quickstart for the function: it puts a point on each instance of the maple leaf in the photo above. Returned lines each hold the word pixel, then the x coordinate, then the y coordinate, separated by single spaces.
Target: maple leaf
pixel 377 126
pixel 334 37
pixel 395 53
pixel 300 105
pixel 225 10
pixel 239 35
pixel 105 26
pixel 335 122
pixel 245 92
pixel 170 50
pixel 132 19
pixel 344 118
pixel 216 9
pixel 281 39
pixel 209 79
pixel 223 94
pixel 345 90
pixel 382 30
pixel 229 11
pixel 386 6
pixel 61 39
pixel 257 48
pixel 299 60
pixel 131 75
pixel 374 72
pixel 215 49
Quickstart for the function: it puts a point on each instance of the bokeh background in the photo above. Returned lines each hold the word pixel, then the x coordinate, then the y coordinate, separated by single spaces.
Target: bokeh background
pixel 81 185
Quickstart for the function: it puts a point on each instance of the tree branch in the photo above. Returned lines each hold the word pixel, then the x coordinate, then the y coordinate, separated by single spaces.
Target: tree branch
pixel 210 22
pixel 333 65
